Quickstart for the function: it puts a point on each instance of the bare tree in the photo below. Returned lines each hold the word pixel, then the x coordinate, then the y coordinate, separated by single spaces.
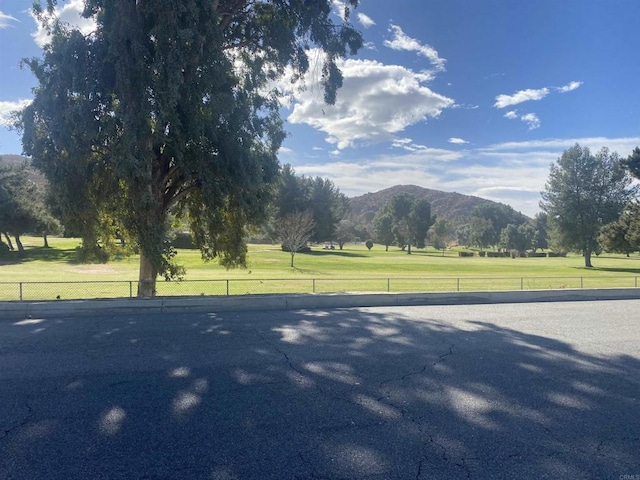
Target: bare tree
pixel 295 231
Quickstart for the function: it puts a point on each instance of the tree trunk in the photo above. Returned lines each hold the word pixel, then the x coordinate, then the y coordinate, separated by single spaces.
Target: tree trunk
pixel 147 277
pixel 20 246
pixel 293 253
pixel 8 238
pixel 386 248
pixel 409 248
pixel 46 241
pixel 587 258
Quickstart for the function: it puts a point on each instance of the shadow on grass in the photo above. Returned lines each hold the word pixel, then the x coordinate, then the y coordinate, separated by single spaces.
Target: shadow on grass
pixel 67 255
pixel 332 253
pixel 635 271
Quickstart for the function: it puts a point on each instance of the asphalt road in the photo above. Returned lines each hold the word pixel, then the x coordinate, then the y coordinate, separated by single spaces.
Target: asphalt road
pixel 493 391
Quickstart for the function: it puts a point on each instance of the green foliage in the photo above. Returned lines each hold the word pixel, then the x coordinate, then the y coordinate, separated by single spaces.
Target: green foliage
pixel 518 238
pixel 497 216
pixel 632 163
pixel 317 195
pixel 383 226
pixel 583 193
pixel 623 235
pixel 541 235
pixel 411 220
pixel 481 232
pixel 369 244
pixel 22 205
pixel 168 107
pixel 441 233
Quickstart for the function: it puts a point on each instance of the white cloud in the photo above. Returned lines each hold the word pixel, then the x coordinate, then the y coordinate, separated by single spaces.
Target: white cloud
pixel 531 119
pixel 569 87
pixel 375 102
pixel 402 41
pixel 365 20
pixel 623 145
pixel 503 101
pixel 5 20
pixel 6 108
pixel 70 14
pixel 457 141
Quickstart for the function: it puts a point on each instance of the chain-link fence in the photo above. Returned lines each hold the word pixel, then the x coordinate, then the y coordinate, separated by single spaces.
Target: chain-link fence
pixel 33 291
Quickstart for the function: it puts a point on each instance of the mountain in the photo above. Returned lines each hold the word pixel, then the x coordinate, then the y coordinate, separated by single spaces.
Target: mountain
pixel 455 207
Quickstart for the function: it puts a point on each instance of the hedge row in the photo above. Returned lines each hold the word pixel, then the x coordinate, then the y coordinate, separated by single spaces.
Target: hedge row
pixel 508 254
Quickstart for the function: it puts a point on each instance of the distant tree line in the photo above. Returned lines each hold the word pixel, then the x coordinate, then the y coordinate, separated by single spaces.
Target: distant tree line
pixel 589 205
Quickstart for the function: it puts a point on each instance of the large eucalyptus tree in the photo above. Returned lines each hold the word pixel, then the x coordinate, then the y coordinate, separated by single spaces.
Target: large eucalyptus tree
pixel 172 106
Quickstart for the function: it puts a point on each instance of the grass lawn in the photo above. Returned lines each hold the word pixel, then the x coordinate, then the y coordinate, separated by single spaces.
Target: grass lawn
pixel 352 269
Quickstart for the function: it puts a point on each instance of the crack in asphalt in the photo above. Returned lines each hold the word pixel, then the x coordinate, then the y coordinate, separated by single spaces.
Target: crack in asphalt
pixel 287 358
pixel 5 433
pixel 440 359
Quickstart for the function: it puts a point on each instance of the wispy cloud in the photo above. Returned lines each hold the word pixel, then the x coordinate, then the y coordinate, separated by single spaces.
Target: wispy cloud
pixel 522 96
pixel 365 20
pixel 401 41
pixel 531 119
pixel 5 20
pixel 569 87
pixel 7 108
pixel 457 141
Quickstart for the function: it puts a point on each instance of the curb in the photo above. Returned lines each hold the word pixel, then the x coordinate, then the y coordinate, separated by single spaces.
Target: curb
pixel 301 301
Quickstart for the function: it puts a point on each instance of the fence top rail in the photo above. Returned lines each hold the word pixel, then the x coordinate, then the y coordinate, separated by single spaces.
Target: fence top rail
pixel 341 279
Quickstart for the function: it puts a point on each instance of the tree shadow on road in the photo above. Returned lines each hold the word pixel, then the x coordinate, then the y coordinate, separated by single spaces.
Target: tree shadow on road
pixel 349 393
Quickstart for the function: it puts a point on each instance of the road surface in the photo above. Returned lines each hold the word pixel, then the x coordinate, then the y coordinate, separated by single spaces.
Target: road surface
pixel 490 391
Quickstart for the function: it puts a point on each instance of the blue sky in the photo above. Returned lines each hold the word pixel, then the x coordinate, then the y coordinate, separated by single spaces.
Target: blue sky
pixel 457 95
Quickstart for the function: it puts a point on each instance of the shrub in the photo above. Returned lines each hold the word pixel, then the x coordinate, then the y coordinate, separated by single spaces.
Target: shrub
pixel 482 254
pixel 369 244
pixel 557 254
pixel 536 254
pixel 465 254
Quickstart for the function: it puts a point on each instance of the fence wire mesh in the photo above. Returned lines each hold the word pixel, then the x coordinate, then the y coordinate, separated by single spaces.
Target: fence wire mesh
pixel 34 291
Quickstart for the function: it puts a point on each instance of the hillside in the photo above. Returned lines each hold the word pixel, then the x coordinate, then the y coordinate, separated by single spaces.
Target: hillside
pixel 15 160
pixel 455 207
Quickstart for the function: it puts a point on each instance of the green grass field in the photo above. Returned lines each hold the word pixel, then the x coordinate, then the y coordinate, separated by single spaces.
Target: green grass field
pixel 352 269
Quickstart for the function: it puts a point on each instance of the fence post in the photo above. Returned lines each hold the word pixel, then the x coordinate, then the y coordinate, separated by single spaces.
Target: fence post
pixel 20 291
pixel 521 283
pixel 458 284
pixel 227 288
pixel 388 285
pixel 636 282
pixel 130 289
pixel 313 287
pixel 581 284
